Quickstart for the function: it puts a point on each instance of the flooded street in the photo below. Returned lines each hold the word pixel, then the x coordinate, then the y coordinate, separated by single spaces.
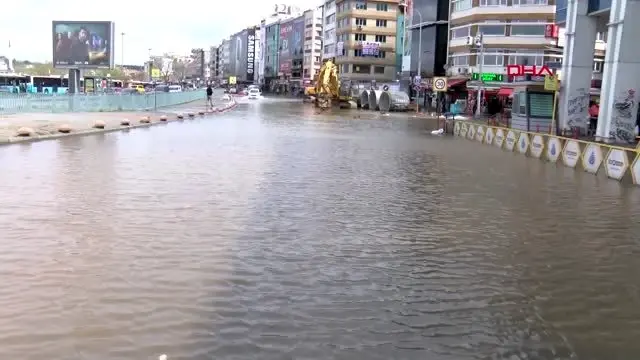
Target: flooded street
pixel 273 233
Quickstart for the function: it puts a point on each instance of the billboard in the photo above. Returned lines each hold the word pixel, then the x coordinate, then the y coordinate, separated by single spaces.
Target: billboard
pixel 286 29
pixel 251 54
pixel 83 44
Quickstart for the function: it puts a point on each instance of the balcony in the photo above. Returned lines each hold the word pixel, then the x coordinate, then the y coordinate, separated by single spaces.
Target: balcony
pixel 391 15
pixel 369 30
pixel 503 10
pixel 388 46
pixel 599 5
pixel 390 60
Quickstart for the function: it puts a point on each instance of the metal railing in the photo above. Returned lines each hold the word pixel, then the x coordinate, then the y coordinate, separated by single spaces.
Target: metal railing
pixel 60 103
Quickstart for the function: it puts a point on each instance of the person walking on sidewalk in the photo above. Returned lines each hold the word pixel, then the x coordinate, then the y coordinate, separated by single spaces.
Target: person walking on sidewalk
pixel 209 96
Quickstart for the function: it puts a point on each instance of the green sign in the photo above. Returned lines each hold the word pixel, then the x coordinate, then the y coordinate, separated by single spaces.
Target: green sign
pixel 487 77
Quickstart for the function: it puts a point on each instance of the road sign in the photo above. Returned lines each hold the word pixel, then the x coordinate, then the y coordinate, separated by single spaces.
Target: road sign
pixel 551 83
pixel 440 84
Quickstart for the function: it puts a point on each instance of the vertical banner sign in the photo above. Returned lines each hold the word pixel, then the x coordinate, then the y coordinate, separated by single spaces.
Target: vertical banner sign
pixel 251 53
pixel 408 21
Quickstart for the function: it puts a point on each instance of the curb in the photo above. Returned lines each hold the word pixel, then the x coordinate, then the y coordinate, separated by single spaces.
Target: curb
pixel 162 119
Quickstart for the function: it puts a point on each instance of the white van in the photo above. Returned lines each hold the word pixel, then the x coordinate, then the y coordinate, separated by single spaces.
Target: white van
pixel 175 88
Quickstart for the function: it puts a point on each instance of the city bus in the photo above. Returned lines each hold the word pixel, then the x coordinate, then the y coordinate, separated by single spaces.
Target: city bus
pixel 13 83
pixel 46 84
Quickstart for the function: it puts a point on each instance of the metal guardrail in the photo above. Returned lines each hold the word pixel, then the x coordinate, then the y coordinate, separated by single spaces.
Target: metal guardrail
pixel 61 103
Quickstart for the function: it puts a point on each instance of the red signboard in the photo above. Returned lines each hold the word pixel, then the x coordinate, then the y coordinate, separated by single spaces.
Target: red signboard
pixel 551 31
pixel 523 70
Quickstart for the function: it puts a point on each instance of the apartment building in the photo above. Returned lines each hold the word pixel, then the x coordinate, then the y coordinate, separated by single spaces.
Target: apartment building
pixel 270 42
pixel 513 32
pixel 329 30
pixel 366 34
pixel 312 43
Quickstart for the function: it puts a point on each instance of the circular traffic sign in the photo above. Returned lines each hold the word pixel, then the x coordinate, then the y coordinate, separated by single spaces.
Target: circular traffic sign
pixel 440 84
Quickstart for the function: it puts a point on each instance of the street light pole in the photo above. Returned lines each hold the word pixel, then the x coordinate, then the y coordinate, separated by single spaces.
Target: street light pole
pixel 419 44
pixel 479 42
pixel 122 50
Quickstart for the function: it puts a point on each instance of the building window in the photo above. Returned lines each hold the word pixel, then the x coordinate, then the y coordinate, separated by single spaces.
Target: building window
pixel 381 54
pixel 361 5
pixel 495 59
pixel 345 68
pixel 362 69
pixel 529 2
pixel 525 57
pixel 381 38
pixel 460 60
pixel 330 34
pixel 461 33
pixel 361 21
pixel 492 30
pixel 381 23
pixel 461 5
pixel 378 69
pixel 330 19
pixel 382 7
pixel 357 53
pixel 601 36
pixel 598 66
pixel 361 37
pixel 527 29
pixel 493 2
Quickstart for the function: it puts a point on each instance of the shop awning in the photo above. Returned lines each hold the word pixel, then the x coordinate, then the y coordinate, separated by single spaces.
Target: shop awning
pixel 505 92
pixel 456 82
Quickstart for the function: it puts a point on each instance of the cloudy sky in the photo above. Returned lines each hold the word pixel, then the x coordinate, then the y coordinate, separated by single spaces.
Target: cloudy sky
pixel 163 26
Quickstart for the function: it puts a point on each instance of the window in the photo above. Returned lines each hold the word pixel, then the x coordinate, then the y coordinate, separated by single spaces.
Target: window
pixel 382 7
pixel 495 59
pixel 362 69
pixel 381 23
pixel 381 54
pixel 381 38
pixel 526 57
pixel 492 30
pixel 357 52
pixel 461 33
pixel 378 69
pixel 460 60
pixel 330 34
pixel 345 68
pixel 527 28
pixel 601 36
pixel 598 66
pixel 530 2
pixel 361 37
pixel 361 21
pixel 461 5
pixel 330 19
pixel 361 5
pixel 493 2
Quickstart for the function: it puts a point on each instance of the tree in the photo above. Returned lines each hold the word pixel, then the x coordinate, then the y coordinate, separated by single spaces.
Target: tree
pixel 179 70
pixel 165 71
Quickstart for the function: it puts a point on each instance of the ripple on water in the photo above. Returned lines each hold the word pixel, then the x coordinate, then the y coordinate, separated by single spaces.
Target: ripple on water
pixel 274 233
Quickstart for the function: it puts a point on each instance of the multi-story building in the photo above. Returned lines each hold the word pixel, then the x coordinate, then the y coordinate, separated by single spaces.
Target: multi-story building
pixel 366 34
pixel 512 31
pixel 223 61
pixel 213 62
pixel 329 29
pixel 312 43
pixel 612 26
pixel 431 18
pixel 270 42
pixel 291 50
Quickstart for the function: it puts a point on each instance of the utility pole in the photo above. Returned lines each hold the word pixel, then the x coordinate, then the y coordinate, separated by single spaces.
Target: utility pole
pixel 479 43
pixel 122 50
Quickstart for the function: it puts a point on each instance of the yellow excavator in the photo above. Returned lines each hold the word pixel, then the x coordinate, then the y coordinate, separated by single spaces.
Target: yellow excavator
pixel 327 90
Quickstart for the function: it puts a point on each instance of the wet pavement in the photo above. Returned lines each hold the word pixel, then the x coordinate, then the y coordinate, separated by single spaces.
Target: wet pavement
pixel 272 232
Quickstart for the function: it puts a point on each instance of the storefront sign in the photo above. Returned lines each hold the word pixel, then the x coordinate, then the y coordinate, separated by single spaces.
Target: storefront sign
pixel 592 158
pixel 537 146
pixel 571 153
pixel 487 77
pixel 617 164
pixel 533 70
pixel 251 53
pixel 551 31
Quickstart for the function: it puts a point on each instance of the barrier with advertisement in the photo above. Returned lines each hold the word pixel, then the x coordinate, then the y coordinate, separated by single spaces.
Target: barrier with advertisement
pixel 83 44
pixel 616 161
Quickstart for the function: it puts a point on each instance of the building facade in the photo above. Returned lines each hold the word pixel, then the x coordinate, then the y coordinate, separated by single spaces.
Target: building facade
pixel 431 18
pixel 612 25
pixel 513 32
pixel 329 29
pixel 366 34
pixel 223 61
pixel 312 43
pixel 291 49
pixel 242 49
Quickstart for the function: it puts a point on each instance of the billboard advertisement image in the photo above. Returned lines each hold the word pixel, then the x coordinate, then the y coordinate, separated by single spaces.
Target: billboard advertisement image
pixel 83 44
pixel 296 43
pixel 286 29
pixel 251 54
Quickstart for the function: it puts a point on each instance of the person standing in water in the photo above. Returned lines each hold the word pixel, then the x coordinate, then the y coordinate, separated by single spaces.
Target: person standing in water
pixel 210 96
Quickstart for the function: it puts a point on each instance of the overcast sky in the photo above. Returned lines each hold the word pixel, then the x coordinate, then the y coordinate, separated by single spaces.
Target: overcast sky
pixel 163 26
